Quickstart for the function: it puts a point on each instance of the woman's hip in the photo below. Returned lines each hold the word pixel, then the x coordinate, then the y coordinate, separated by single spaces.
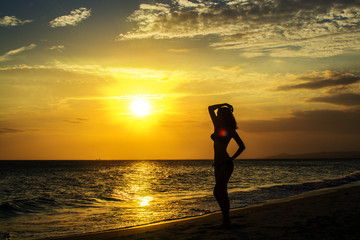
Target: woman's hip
pixel 223 172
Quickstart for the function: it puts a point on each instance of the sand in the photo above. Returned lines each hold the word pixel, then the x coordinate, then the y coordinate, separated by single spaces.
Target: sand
pixel 332 213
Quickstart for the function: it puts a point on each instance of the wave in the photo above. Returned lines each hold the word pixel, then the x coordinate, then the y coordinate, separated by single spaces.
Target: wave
pixel 239 197
pixel 113 199
pixel 244 197
pixel 326 183
pixel 23 206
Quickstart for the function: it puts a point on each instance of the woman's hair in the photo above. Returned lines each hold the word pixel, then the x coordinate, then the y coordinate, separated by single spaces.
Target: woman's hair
pixel 227 116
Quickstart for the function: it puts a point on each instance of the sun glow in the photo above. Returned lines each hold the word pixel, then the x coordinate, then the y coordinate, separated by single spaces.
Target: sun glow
pixel 140 107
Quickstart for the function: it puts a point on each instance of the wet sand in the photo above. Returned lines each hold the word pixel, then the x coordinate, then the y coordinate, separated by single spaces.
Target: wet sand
pixel 332 213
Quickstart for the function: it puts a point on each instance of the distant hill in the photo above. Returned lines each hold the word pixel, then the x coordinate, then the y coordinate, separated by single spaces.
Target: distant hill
pixel 318 155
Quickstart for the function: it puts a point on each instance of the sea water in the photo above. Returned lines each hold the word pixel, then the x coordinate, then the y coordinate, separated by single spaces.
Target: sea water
pixel 41 199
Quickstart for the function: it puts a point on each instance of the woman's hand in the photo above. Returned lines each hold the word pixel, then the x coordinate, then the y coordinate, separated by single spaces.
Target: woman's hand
pixel 229 106
pixel 216 106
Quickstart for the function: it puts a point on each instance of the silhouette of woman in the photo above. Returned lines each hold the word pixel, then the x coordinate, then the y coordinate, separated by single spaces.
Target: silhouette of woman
pixel 225 129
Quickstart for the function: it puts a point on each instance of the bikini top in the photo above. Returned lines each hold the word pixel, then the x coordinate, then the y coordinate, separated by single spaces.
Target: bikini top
pixel 220 135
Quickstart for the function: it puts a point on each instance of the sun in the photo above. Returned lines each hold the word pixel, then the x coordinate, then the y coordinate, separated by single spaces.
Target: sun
pixel 140 107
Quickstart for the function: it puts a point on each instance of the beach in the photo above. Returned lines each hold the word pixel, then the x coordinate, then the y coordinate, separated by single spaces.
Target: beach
pixel 67 198
pixel 331 213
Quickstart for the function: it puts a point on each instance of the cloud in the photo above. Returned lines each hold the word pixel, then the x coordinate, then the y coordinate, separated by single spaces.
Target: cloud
pixel 228 69
pixel 316 46
pixel 186 3
pixel 100 70
pixel 17 51
pixel 58 48
pixel 330 121
pixel 77 120
pixel 224 84
pixel 346 99
pixel 10 130
pixel 323 79
pixel 11 21
pixel 73 19
pixel 179 50
pixel 24 67
pixel 281 28
pixel 121 97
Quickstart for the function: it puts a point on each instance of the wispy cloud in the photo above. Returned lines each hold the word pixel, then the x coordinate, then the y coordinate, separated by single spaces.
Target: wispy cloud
pixel 282 28
pixel 100 70
pixel 179 50
pixel 139 73
pixel 121 97
pixel 317 80
pixel 330 121
pixel 76 120
pixel 345 99
pixel 58 48
pixel 11 21
pixel 17 51
pixel 73 19
pixel 10 130
pixel 23 67
pixel 187 3
pixel 228 69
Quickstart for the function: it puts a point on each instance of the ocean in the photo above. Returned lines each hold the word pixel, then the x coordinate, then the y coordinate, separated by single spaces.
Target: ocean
pixel 40 199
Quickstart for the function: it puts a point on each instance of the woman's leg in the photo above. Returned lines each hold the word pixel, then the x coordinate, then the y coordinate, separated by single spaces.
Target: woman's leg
pixel 222 176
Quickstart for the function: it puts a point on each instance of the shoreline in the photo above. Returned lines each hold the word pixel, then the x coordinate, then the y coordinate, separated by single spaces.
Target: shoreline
pixel 314 214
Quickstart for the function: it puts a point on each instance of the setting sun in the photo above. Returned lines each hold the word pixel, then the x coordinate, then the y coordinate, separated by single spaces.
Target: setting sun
pixel 140 107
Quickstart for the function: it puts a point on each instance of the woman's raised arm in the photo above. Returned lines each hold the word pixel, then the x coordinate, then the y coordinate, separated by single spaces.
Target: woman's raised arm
pixel 212 109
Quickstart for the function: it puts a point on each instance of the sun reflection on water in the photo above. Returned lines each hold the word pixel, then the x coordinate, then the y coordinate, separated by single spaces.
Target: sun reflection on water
pixel 137 197
pixel 145 201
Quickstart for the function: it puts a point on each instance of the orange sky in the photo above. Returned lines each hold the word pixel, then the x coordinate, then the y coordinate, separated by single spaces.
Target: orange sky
pixel 69 71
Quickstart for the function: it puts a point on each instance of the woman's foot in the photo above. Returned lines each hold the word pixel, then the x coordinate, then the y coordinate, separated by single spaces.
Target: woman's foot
pixel 226 223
